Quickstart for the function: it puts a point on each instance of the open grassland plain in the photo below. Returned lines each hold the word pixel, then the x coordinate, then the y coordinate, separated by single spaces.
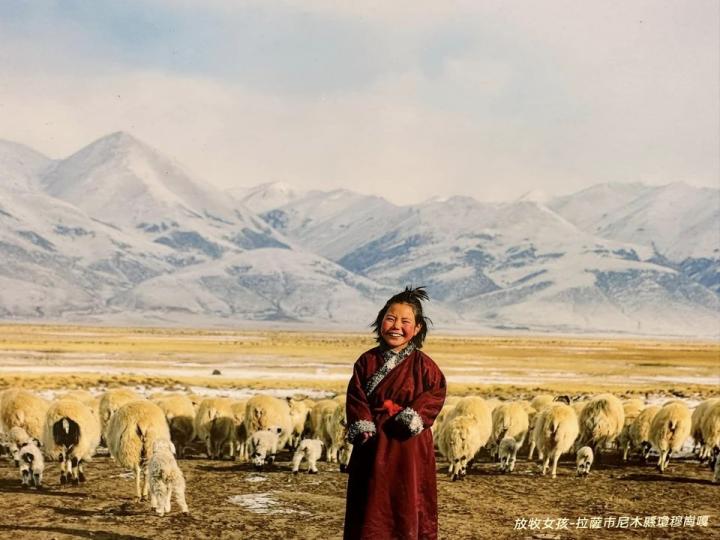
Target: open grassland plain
pixel 229 499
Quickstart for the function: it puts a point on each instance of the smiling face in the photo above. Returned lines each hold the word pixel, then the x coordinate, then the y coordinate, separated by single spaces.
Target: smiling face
pixel 398 326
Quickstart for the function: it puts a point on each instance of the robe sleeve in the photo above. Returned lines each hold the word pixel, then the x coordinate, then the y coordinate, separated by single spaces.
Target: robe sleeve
pixel 421 413
pixel 359 416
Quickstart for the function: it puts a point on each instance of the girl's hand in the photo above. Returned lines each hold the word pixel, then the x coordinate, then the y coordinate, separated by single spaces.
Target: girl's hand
pixel 365 437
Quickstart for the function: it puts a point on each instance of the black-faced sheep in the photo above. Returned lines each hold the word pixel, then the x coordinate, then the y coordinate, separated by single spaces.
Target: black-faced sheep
pixel 72 435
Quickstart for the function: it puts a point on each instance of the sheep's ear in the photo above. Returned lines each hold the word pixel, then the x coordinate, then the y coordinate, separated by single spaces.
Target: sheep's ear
pixel 343 422
pixel 37 442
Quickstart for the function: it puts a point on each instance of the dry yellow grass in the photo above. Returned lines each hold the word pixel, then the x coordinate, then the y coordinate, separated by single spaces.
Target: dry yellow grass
pixel 597 361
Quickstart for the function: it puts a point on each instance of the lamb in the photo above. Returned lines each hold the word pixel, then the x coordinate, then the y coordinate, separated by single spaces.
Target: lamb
pixel 263 445
pixel 556 429
pixel 601 421
pixel 110 402
pixel 632 409
pixel 697 418
pixel 640 430
pixel 180 416
pixel 509 420
pixel 669 429
pixel 267 412
pixel 32 465
pixel 507 454
pixel 132 431
pixel 584 460
pixel 214 425
pixel 24 409
pixel 72 434
pixel 165 478
pixel 310 450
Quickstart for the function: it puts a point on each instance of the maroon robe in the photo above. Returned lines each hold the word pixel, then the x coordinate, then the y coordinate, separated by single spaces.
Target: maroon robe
pixel 392 492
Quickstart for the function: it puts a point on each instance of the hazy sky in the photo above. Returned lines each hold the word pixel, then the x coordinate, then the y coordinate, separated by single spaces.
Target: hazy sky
pixel 405 99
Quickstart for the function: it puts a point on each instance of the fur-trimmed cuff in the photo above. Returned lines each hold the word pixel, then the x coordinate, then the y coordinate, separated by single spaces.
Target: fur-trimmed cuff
pixel 411 420
pixel 361 426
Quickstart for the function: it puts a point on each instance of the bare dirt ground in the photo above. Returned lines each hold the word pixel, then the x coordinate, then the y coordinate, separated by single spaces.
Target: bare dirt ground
pixel 277 504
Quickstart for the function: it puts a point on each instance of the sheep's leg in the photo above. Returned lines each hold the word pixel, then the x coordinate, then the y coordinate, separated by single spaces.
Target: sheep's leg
pixel 74 464
pixel 556 457
pixel 532 450
pixel 312 465
pixel 138 479
pixel 296 460
pixel 63 467
pixel 37 480
pixel 546 464
pixel 25 478
pixel 146 483
pixel 209 449
pixel 626 452
pixel 81 471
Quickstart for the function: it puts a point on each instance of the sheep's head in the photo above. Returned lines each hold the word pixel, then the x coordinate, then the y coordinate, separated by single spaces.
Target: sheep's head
pixel 163 445
pixel 584 460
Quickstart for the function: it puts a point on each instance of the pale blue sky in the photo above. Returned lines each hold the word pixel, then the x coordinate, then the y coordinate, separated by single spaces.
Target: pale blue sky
pixel 405 99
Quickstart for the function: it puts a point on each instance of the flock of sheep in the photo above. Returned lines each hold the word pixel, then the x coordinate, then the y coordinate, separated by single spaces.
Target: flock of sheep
pixel 148 435
pixel 555 426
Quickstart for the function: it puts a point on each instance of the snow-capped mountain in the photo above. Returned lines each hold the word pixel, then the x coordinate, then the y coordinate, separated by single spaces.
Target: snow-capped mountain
pixel 117 231
pixel 266 196
pixel 20 166
pixel 128 184
pixel 334 223
pixel 678 220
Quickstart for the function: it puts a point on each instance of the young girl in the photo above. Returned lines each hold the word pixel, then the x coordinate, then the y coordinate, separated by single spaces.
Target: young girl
pixel 395 393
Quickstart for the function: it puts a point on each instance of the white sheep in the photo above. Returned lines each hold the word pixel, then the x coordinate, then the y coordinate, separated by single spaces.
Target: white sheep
pixel 299 413
pixel 640 431
pixel 72 435
pixel 335 430
pixel 315 428
pixel 32 465
pixel 537 404
pixel 556 428
pixel 110 402
pixel 601 421
pixel 584 460
pixel 311 451
pixel 165 478
pixel 669 429
pixel 632 409
pixel 509 420
pixel 711 433
pixel 697 418
pixel 460 439
pixel 180 415
pixel 263 446
pixel 267 412
pixel 240 439
pixel 132 430
pixel 507 454
pixel 24 409
pixel 214 424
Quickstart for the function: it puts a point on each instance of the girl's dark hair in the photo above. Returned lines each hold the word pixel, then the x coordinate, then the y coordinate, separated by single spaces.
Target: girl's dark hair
pixel 414 298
